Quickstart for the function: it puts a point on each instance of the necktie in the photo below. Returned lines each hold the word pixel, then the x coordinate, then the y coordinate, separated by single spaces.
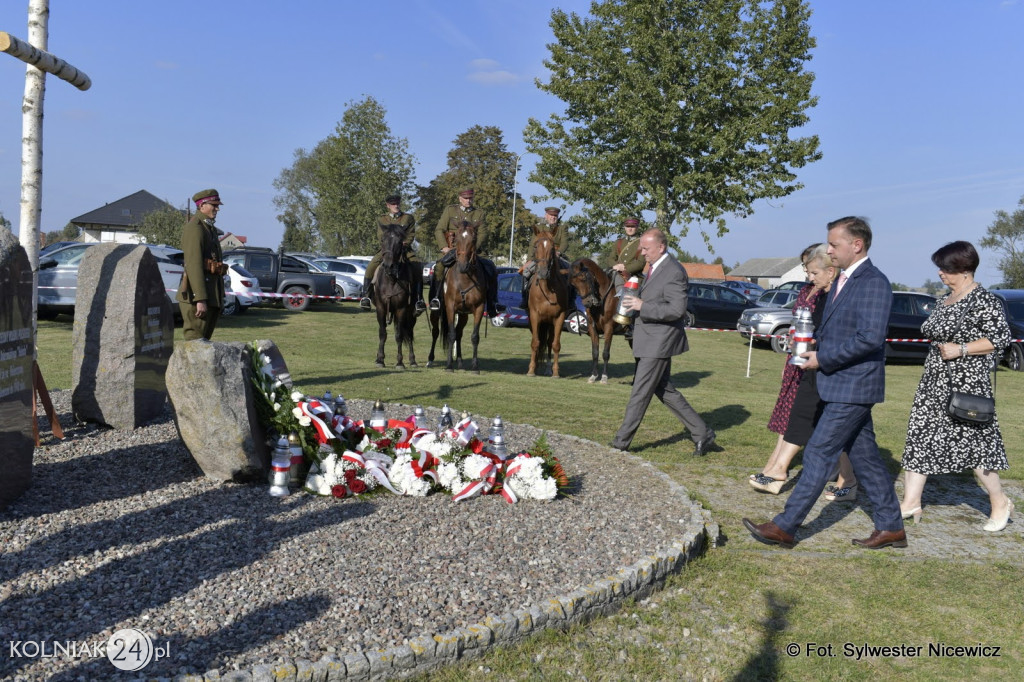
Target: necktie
pixel 839 285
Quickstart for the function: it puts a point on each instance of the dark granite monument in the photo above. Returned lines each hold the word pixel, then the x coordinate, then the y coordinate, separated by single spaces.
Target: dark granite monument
pixel 122 338
pixel 16 354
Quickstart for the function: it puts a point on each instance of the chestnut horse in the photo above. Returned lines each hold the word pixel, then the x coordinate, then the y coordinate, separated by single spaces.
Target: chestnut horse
pixel 393 297
pixel 598 293
pixel 464 294
pixel 549 303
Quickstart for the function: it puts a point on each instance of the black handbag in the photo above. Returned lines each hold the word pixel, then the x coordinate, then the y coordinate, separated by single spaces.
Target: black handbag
pixel 969 408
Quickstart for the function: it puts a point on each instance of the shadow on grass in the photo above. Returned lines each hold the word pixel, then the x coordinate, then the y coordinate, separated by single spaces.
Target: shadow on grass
pixel 764 665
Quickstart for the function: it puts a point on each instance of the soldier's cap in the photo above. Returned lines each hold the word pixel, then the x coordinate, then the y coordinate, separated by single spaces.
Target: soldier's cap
pixel 466 193
pixel 393 199
pixel 207 196
pixel 631 222
pixel 552 210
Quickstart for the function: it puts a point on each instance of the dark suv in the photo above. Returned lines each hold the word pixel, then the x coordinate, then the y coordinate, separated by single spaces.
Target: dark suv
pixel 1013 303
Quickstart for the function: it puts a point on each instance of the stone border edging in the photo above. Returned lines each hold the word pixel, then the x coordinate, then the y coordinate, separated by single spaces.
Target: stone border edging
pixel 428 652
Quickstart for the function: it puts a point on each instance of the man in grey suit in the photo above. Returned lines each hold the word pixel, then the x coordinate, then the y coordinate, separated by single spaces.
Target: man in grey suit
pixel 659 334
pixel 850 360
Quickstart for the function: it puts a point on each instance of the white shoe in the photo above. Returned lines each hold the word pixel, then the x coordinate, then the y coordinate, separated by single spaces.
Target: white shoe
pixel 994 524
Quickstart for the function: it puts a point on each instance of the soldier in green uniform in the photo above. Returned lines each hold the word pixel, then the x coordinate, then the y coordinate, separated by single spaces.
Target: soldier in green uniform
pixel 201 292
pixel 451 219
pixel 395 216
pixel 629 262
pixel 552 224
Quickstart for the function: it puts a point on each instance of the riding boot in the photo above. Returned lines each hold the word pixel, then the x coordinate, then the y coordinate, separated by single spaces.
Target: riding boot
pixel 435 304
pixel 366 299
pixel 524 303
pixel 417 294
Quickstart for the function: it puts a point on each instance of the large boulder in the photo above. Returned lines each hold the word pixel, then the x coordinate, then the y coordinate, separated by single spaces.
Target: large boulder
pixel 122 338
pixel 210 387
pixel 17 438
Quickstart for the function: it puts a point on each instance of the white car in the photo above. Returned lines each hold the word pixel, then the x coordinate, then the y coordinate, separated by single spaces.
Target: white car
pixel 241 290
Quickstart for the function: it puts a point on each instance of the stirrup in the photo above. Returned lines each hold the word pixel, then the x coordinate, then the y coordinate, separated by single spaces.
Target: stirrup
pixel 421 307
pixel 435 304
pixel 365 303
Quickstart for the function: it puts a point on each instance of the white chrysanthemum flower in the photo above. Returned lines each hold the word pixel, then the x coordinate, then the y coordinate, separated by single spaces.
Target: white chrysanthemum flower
pixel 296 396
pixel 474 465
pixel 305 421
pixel 545 489
pixel 314 482
pixel 449 476
pixel 297 413
pixel 277 406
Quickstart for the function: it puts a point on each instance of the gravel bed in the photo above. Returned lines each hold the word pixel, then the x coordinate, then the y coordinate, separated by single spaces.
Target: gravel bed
pixel 120 529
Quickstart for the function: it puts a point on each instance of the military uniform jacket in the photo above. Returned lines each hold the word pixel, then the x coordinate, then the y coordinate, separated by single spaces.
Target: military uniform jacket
pixel 628 253
pixel 452 219
pixel 200 242
pixel 559 232
pixel 402 219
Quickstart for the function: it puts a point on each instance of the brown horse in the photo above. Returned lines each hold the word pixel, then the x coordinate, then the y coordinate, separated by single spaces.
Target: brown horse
pixel 393 297
pixel 464 294
pixel 598 293
pixel 549 303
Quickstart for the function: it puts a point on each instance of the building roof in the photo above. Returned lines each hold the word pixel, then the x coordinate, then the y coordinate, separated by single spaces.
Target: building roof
pixel 765 267
pixel 708 271
pixel 125 213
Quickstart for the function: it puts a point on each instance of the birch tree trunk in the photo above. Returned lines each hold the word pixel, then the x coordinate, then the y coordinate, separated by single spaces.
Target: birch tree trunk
pixel 32 145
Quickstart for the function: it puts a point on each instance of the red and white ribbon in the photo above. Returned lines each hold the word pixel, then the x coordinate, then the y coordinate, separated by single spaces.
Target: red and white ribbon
pixel 512 468
pixel 317 412
pixel 372 466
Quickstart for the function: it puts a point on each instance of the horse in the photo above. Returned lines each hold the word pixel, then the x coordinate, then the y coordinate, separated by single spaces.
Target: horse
pixel 549 303
pixel 598 293
pixel 464 294
pixel 393 297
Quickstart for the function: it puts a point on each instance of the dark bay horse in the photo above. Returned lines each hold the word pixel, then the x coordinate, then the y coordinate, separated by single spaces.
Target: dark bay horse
pixel 393 297
pixel 598 293
pixel 549 303
pixel 464 294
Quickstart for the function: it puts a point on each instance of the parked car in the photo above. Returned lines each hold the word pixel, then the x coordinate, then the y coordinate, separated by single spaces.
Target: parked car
pixel 510 295
pixel 712 305
pixel 795 285
pixel 58 276
pixel 241 290
pixel 747 289
pixel 283 274
pixel 777 298
pixel 50 248
pixel 348 274
pixel 909 311
pixel 1013 303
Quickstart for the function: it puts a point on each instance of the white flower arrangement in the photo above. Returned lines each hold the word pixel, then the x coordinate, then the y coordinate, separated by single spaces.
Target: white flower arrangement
pixel 404 479
pixel 530 483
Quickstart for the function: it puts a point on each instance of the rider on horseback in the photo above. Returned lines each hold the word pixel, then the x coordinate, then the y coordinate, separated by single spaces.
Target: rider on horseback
pixel 553 224
pixel 395 216
pixel 452 219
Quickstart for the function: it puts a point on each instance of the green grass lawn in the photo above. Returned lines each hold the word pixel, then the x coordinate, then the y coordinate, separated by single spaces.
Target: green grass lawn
pixel 730 614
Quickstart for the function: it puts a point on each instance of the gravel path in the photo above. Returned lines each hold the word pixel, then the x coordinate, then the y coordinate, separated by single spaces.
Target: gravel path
pixel 120 530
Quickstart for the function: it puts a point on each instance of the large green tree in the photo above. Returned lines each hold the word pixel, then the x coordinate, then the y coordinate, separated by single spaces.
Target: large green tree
pixel 331 197
pixel 1005 236
pixel 163 226
pixel 680 107
pixel 479 159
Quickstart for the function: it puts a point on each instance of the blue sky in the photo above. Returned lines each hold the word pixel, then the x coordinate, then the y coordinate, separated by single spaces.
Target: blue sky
pixel 919 113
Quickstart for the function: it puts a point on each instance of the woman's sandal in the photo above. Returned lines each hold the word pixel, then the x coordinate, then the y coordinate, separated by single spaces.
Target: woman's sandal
pixel 766 484
pixel 844 494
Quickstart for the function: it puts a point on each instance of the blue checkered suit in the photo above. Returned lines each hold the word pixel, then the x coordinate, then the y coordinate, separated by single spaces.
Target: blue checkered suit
pixel 851 378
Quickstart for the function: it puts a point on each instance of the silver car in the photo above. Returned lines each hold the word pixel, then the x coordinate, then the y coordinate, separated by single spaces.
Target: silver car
pixel 58 276
pixel 763 322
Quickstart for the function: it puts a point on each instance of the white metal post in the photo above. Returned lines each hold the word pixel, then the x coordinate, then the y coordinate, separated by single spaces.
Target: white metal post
pixel 512 235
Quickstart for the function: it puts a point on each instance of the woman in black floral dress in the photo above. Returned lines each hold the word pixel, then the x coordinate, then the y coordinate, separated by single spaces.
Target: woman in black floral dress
pixel 966 327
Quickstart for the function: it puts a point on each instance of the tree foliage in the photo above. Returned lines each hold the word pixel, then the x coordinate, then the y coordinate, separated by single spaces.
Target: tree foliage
pixel 330 198
pixel 1005 236
pixel 479 159
pixel 680 107
pixel 163 226
pixel 68 233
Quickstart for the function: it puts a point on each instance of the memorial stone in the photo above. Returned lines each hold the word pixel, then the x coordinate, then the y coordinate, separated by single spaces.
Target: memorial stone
pixel 122 338
pixel 17 441
pixel 210 387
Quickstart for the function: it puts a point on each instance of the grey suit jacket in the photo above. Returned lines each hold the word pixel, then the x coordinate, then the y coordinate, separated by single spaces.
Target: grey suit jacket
pixel 659 331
